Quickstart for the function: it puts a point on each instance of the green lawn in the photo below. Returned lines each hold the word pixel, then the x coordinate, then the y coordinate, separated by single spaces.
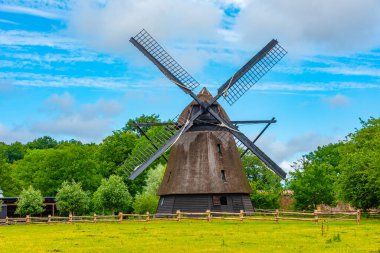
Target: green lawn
pixel 193 236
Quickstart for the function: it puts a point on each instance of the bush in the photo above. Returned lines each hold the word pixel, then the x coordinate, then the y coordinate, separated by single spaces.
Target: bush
pixel 30 202
pixel 71 198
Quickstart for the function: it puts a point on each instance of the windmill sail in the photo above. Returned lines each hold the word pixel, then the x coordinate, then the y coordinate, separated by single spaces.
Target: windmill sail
pixel 251 72
pixel 151 49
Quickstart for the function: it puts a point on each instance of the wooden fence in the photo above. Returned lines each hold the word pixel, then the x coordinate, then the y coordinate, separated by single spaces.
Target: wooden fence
pixel 259 214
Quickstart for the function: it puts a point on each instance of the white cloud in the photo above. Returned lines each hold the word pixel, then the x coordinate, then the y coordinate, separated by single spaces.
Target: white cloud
pixel 291 150
pixel 86 122
pixel 110 25
pixel 337 100
pixel 8 135
pixel 67 119
pixel 63 103
pixel 29 11
pixel 315 26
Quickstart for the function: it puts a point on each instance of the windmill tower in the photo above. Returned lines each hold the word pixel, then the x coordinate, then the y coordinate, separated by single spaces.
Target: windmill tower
pixel 204 169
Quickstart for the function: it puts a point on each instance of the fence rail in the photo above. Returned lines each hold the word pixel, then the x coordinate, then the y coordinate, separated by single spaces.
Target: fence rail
pixel 178 216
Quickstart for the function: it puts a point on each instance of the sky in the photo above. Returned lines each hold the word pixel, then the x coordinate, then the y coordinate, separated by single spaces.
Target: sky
pixel 68 70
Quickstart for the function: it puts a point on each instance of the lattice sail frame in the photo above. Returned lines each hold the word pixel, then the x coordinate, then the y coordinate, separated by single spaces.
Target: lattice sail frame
pixel 254 74
pixel 160 55
pixel 163 134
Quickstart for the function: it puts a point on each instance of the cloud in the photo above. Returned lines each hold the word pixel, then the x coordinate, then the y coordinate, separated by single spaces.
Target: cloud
pixel 62 103
pixel 337 100
pixel 88 122
pixel 110 25
pixel 291 150
pixel 29 11
pixel 8 135
pixel 315 26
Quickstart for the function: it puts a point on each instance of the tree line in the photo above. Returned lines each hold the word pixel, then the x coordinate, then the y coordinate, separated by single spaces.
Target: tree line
pixel 346 171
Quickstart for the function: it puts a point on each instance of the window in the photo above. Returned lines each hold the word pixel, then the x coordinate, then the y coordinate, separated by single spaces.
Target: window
pixel 170 173
pixel 216 200
pixel 223 176
pixel 219 149
pixel 162 201
pixel 223 200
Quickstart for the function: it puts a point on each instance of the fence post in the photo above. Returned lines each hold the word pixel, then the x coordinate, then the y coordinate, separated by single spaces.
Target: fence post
pixel 178 215
pixel 316 216
pixel 241 215
pixel 277 215
pixel 94 219
pixel 147 216
pixel 27 219
pixel 70 218
pixel 208 213
pixel 49 219
pixel 120 216
pixel 7 220
pixel 358 216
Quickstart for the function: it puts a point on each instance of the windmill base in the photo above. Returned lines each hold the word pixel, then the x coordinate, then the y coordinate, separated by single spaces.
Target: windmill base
pixel 202 202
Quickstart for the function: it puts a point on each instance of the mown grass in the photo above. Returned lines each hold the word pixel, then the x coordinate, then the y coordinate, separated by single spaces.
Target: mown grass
pixel 193 236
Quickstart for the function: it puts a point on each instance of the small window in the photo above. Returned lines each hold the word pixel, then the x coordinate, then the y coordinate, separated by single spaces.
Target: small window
pixel 216 200
pixel 223 200
pixel 170 173
pixel 223 176
pixel 219 149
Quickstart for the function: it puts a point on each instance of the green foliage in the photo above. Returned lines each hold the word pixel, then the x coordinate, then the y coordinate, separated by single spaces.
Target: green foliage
pixel 147 201
pixel 266 186
pixel 13 152
pixel 129 127
pixel 47 169
pixel 112 195
pixel 42 143
pixel 1 205
pixel 72 199
pixel 359 182
pixel 7 181
pixel 30 202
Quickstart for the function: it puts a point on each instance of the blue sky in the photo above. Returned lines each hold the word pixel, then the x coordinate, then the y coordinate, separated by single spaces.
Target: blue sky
pixel 67 69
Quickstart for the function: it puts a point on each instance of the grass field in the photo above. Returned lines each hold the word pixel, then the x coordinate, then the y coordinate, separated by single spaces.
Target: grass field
pixel 193 236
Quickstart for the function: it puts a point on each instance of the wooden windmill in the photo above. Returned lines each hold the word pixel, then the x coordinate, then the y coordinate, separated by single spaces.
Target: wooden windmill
pixel 204 169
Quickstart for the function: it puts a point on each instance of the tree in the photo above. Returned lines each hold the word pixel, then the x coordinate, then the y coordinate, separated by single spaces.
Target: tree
pixel 71 198
pixel 153 118
pixel 147 201
pixel 15 152
pixel 42 143
pixel 314 178
pixel 266 186
pixel 30 202
pixel 359 182
pixel 112 195
pixel 47 169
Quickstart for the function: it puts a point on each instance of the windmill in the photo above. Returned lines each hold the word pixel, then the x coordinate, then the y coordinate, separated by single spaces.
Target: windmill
pixel 204 169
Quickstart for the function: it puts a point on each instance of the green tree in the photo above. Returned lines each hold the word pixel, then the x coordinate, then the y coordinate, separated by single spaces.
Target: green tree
pixel 314 178
pixel 130 127
pixel 266 186
pixel 42 143
pixel 359 182
pixel 30 202
pixel 71 198
pixel 15 152
pixel 47 169
pixel 112 195
pixel 147 201
pixel 115 149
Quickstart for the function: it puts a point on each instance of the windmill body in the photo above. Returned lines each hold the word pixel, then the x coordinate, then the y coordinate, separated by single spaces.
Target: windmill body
pixel 204 170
